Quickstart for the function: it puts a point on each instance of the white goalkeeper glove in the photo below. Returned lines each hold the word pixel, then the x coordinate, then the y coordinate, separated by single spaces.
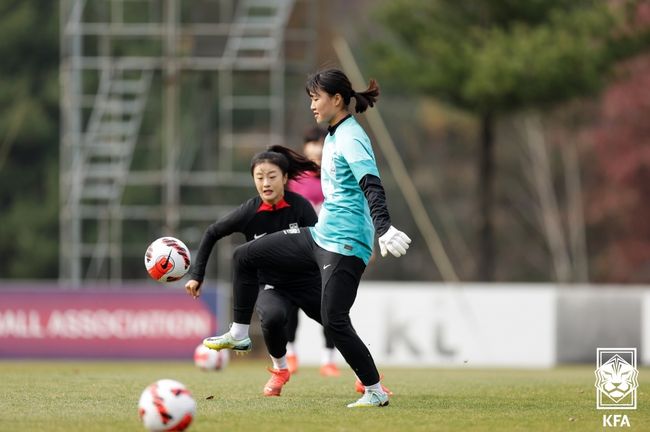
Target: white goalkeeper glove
pixel 394 241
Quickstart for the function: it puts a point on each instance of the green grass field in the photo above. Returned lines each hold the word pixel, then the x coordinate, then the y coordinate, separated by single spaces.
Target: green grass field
pixel 103 396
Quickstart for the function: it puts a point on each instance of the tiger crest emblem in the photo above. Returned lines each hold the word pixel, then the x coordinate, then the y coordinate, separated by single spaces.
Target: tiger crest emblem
pixel 616 378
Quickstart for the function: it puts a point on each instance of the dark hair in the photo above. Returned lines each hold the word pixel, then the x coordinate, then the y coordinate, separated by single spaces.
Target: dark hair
pixel 334 81
pixel 289 161
pixel 314 133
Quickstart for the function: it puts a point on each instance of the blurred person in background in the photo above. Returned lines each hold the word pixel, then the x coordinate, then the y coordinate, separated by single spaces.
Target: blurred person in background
pixel 308 185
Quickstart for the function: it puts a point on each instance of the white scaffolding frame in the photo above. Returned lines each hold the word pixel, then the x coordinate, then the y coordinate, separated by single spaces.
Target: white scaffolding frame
pixel 105 94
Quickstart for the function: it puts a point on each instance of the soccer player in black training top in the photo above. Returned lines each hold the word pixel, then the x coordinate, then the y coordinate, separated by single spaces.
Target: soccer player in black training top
pixel 273 210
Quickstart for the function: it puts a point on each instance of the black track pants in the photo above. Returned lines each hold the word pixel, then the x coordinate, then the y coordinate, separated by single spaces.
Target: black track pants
pixel 292 328
pixel 274 305
pixel 293 253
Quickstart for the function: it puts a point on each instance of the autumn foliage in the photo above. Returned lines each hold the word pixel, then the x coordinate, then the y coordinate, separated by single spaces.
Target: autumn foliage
pixel 619 204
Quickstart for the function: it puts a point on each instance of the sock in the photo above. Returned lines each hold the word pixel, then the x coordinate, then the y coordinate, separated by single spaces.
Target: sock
pixel 290 349
pixel 279 363
pixel 375 387
pixel 328 356
pixel 239 331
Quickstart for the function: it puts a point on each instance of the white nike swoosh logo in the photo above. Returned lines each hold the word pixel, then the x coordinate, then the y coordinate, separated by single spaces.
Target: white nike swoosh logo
pixel 325 266
pixel 256 236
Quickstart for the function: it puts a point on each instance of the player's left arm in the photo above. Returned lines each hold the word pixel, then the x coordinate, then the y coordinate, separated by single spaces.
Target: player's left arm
pixel 361 159
pixel 390 238
pixel 376 197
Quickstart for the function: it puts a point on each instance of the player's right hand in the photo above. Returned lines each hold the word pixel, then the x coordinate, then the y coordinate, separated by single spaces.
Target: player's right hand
pixel 193 288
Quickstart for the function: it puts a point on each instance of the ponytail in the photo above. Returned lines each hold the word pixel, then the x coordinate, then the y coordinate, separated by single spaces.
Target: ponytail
pixel 290 162
pixel 334 81
pixel 366 98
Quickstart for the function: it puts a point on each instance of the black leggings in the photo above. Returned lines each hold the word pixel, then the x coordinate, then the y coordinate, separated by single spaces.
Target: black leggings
pixel 292 327
pixel 294 253
pixel 274 306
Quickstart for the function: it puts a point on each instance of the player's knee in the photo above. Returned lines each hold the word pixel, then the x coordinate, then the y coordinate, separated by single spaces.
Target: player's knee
pixel 333 316
pixel 274 320
pixel 336 325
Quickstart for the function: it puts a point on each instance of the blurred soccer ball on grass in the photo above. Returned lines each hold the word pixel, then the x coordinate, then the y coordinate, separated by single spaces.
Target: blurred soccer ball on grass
pixel 209 360
pixel 166 405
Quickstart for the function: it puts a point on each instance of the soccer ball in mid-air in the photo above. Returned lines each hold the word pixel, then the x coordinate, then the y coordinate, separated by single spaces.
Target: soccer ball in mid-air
pixel 167 259
pixel 166 405
pixel 207 359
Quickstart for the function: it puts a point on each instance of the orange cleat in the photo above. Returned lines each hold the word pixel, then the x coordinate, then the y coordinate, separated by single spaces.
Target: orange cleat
pixel 330 370
pixel 360 388
pixel 292 363
pixel 279 378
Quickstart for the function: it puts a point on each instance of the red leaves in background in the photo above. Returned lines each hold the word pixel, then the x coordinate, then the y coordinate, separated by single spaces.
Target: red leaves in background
pixel 620 204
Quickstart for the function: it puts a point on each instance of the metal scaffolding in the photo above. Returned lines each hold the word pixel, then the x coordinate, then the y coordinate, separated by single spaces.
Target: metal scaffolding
pixel 125 153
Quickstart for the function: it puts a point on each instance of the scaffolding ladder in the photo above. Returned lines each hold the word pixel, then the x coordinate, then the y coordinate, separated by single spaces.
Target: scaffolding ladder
pixel 101 130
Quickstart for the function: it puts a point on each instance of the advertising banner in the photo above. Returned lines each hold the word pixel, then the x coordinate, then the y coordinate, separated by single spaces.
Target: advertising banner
pixel 135 322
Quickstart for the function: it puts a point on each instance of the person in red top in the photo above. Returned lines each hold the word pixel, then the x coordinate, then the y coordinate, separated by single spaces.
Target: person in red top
pixel 308 185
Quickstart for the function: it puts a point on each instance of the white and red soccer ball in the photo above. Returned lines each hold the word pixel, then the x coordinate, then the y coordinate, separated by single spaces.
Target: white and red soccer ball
pixel 166 405
pixel 207 359
pixel 167 259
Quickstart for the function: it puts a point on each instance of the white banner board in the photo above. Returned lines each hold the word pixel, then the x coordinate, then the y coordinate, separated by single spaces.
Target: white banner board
pixel 427 324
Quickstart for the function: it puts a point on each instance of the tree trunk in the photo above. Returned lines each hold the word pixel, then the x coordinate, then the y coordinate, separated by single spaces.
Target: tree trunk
pixel 542 178
pixel 486 200
pixel 576 220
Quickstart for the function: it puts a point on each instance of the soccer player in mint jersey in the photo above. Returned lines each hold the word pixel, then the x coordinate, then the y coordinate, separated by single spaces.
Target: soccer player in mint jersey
pixel 274 209
pixel 309 186
pixel 340 243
